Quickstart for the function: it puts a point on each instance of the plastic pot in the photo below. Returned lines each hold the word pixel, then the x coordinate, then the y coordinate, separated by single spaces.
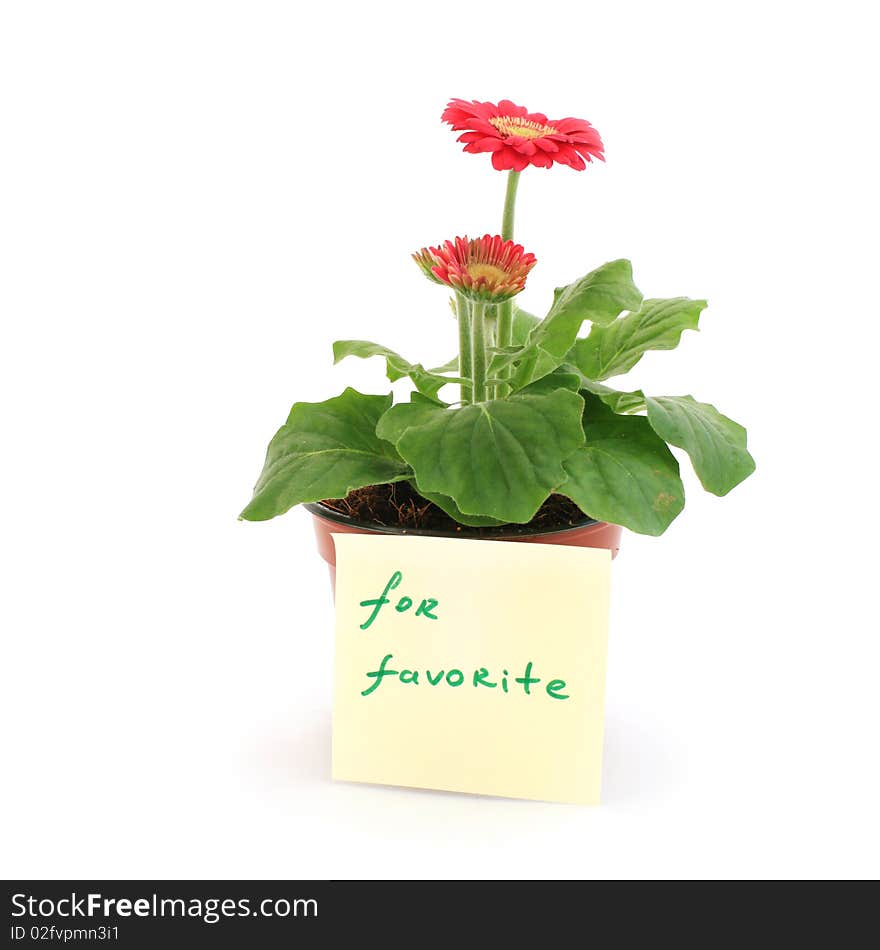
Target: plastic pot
pixel 588 534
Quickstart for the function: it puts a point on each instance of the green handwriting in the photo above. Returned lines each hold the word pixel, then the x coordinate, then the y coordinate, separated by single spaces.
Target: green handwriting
pixel 425 609
pixel 456 677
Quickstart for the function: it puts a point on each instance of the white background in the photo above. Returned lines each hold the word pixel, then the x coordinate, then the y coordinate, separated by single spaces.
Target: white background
pixel 198 198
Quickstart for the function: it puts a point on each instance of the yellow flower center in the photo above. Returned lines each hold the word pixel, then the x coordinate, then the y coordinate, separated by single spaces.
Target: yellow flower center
pixel 493 274
pixel 524 128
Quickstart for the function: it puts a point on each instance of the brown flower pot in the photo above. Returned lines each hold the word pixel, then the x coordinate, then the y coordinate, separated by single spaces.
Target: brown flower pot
pixel 589 534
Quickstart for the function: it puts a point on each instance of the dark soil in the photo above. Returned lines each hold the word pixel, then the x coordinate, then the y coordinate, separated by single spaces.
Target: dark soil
pixel 400 506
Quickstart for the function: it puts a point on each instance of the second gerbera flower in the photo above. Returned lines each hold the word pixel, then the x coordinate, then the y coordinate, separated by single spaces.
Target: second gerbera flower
pixel 488 269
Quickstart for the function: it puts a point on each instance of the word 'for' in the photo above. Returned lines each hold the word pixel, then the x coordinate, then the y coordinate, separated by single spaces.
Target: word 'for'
pixel 425 609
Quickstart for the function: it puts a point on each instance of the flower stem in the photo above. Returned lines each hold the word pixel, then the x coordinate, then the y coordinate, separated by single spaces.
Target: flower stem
pixel 478 337
pixel 465 353
pixel 491 321
pixel 509 206
pixel 505 310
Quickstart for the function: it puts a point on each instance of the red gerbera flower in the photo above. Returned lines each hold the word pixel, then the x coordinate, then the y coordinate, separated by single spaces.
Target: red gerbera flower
pixel 517 138
pixel 486 269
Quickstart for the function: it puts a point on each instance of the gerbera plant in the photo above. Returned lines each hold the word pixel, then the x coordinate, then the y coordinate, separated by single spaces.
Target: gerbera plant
pixel 534 416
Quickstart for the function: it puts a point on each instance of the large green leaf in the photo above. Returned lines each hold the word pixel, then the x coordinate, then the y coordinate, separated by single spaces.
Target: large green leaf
pixel 396 420
pixel 324 450
pixel 427 382
pixel 498 459
pixel 559 379
pixel 405 415
pixel 614 349
pixel 715 444
pixel 624 473
pixel 599 297
pixel 454 512
pixel 620 402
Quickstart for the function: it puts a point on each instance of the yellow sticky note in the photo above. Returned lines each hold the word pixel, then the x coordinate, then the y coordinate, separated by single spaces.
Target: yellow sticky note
pixel 471 666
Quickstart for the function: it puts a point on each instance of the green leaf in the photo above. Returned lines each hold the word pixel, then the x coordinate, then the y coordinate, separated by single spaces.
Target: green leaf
pixel 454 512
pixel 716 444
pixel 598 297
pixel 614 349
pixel 558 379
pixel 427 382
pixel 451 366
pixel 620 402
pixel 497 459
pixel 531 364
pixel 396 420
pixel 324 450
pixel 624 473
pixel 523 324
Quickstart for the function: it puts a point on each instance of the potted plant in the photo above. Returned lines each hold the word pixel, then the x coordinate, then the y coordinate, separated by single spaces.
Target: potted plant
pixel 537 446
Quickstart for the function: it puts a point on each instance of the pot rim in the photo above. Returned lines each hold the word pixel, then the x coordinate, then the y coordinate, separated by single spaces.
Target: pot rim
pixel 319 510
